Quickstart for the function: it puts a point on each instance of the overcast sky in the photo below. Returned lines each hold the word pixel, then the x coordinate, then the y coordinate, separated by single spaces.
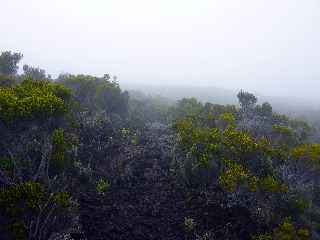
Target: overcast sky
pixel 268 46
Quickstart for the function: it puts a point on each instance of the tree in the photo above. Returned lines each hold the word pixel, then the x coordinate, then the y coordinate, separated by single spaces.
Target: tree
pixel 97 94
pixel 246 100
pixel 34 73
pixel 9 62
pixel 266 109
pixel 187 107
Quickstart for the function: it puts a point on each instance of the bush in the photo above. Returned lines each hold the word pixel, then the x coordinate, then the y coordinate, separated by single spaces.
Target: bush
pixel 32 99
pixel 102 186
pixel 26 203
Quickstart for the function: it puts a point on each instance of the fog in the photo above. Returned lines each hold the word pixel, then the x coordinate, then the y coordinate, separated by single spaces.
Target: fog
pixel 160 119
pixel 269 47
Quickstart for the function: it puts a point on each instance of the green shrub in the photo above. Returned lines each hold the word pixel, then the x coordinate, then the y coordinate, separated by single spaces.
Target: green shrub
pixel 62 199
pixel 102 186
pixel 262 237
pixel 235 175
pixel 32 99
pixel 20 201
pixel 189 224
pixel 6 164
pixel 271 184
pixel 24 203
pixel 59 146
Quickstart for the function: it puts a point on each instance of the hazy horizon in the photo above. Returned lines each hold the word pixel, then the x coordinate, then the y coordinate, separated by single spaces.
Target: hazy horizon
pixel 268 47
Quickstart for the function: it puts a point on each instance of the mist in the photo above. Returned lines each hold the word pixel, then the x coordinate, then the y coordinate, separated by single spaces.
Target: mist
pixel 267 47
pixel 159 119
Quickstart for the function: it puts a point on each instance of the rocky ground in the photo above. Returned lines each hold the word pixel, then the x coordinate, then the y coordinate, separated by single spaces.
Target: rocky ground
pixel 151 204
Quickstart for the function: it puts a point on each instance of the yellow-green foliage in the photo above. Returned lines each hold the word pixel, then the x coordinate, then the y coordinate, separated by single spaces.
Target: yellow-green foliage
pixel 299 203
pixel 32 99
pixel 238 143
pixel 135 139
pixel 234 175
pixel 6 164
pixel 18 200
pixel 125 132
pixel 58 150
pixel 204 141
pixel 62 199
pixel 189 224
pixel 201 143
pixel 227 117
pixel 22 202
pixel 287 231
pixel 303 234
pixel 188 107
pixel 262 237
pixel 255 165
pixel 128 134
pixel 271 184
pixel 102 186
pixel 279 152
pixel 95 93
pixel 253 183
pixel 302 127
pixel 285 135
pixel 284 130
pixel 31 193
pixel 308 152
pixel 264 145
pixel 184 129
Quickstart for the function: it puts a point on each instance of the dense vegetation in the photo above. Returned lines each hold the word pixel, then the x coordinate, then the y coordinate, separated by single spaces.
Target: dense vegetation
pixel 82 159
